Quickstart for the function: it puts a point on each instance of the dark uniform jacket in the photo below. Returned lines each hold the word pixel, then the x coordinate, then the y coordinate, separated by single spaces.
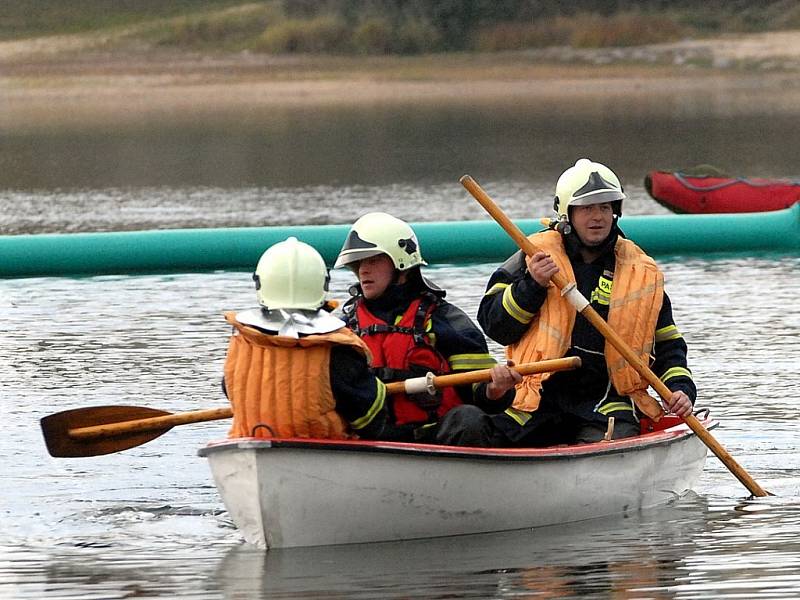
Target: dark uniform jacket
pixel 586 393
pixel 456 336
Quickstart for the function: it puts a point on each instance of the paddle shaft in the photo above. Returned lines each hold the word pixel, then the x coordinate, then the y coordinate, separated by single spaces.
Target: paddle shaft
pixel 199 416
pixel 570 291
pixel 149 424
pixel 421 384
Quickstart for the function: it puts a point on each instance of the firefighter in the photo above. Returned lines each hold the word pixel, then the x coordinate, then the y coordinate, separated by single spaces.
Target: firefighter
pixel 292 368
pixel 412 330
pixel 524 311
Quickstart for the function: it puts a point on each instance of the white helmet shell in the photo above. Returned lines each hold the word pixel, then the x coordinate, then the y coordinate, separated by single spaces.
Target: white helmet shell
pixel 381 233
pixel 291 274
pixel 585 183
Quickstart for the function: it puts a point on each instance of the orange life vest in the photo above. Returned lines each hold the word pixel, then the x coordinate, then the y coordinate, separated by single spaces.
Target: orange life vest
pixel 404 350
pixel 636 297
pixel 280 386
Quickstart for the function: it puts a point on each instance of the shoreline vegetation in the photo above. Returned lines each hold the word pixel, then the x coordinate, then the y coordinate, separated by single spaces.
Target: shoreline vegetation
pixel 201 62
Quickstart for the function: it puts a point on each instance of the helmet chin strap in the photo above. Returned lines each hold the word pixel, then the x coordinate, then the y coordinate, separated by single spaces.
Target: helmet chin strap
pixel 400 277
pixel 395 278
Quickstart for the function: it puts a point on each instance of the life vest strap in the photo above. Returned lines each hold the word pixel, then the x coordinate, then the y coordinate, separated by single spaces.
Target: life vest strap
pixel 388 375
pixel 376 329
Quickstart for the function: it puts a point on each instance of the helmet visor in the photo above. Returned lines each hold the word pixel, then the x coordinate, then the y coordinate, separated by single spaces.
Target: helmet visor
pixel 597 197
pixel 356 248
pixel 348 257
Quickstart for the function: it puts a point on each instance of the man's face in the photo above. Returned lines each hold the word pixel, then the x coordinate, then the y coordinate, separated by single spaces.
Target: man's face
pixel 592 223
pixel 375 274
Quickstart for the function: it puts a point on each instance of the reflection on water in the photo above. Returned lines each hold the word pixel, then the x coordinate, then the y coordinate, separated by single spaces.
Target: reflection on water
pixel 602 557
pixel 690 549
pixel 286 166
pixel 529 140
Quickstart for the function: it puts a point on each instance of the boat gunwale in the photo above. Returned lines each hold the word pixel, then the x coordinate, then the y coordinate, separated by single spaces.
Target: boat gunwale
pixel 663 437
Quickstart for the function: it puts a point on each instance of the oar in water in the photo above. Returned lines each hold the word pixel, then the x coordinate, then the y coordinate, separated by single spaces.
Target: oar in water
pixel 582 305
pixel 97 430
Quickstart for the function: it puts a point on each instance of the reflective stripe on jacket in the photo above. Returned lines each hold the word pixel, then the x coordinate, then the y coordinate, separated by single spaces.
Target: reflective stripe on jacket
pixel 405 349
pixel 636 297
pixel 280 386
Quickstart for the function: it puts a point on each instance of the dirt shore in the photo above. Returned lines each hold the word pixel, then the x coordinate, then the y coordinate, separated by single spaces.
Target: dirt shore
pixel 77 78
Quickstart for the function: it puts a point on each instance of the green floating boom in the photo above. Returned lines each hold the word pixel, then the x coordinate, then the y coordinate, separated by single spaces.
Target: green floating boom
pixel 190 250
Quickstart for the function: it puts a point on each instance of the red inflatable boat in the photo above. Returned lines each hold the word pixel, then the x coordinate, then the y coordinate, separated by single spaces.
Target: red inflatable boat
pixel 716 194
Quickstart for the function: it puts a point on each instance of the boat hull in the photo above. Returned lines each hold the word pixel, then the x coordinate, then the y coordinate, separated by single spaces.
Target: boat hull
pixel 289 493
pixel 703 195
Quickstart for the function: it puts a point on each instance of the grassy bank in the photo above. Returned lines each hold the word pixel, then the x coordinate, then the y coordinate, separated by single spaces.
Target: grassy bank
pixel 23 19
pixel 372 27
pixel 207 57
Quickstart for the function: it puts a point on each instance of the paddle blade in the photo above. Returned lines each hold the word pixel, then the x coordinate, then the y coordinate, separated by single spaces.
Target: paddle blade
pixel 60 444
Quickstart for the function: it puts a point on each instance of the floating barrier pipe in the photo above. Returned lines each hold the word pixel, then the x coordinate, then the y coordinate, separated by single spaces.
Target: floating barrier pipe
pixel 188 250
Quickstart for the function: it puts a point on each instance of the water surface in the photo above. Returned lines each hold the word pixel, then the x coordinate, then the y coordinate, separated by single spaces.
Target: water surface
pixel 148 522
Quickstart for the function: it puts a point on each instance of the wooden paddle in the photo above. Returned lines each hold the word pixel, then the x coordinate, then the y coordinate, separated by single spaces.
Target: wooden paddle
pixel 97 430
pixel 582 305
pixel 420 384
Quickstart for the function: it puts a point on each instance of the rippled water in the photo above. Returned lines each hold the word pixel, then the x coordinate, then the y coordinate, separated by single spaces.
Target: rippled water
pixel 148 522
pixel 164 208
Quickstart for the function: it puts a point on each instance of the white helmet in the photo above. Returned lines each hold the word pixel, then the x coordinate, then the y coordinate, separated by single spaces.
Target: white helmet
pixel 291 274
pixel 380 233
pixel 587 183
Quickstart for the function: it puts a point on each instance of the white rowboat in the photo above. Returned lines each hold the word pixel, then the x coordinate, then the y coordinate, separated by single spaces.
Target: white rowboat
pixel 299 492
